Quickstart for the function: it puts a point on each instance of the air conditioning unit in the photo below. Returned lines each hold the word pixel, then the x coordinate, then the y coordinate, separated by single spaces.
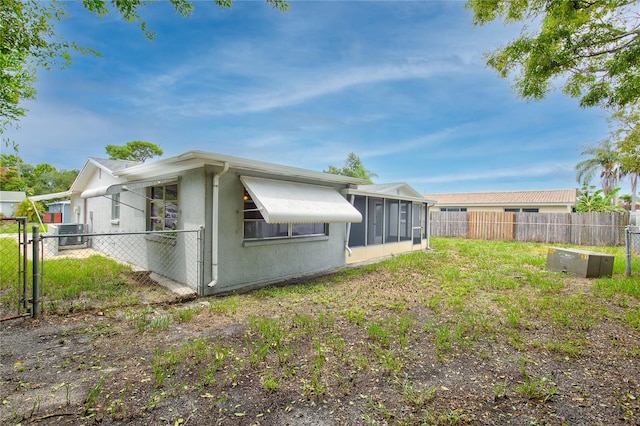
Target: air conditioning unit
pixel 580 263
pixel 73 231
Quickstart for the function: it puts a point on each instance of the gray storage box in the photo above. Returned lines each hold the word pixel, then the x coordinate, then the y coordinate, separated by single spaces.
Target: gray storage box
pixel 580 263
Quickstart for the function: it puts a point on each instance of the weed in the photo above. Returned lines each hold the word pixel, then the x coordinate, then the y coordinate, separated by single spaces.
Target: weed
pixel 154 399
pixel 226 306
pixel 117 409
pixel 500 390
pixel 186 314
pixel 92 397
pixel 633 318
pixel 269 383
pixel 536 389
pixel 418 395
pixel 355 315
pixel 379 332
pixel 513 317
pixel 303 324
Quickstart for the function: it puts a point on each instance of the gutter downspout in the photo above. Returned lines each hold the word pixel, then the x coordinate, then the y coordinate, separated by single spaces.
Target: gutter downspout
pixel 214 225
pixel 346 242
pixel 427 223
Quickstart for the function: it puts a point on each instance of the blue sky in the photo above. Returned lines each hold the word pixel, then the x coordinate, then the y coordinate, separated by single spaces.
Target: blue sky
pixel 402 84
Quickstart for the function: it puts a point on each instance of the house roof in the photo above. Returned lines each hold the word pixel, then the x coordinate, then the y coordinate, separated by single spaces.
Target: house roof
pixel 195 159
pixel 81 181
pixel 543 197
pixel 112 166
pixel 397 190
pixel 12 196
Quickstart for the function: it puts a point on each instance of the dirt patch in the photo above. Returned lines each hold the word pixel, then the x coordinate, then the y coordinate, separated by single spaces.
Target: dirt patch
pixel 374 349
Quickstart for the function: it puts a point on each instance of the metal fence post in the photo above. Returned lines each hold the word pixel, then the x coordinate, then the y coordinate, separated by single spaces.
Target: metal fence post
pixel 627 245
pixel 200 283
pixel 22 229
pixel 35 309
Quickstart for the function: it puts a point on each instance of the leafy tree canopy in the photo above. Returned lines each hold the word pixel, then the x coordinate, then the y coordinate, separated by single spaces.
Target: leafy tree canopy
pixel 16 175
pixel 588 201
pixel 590 45
pixel 627 137
pixel 353 167
pixel 134 151
pixel 29 39
pixel 31 211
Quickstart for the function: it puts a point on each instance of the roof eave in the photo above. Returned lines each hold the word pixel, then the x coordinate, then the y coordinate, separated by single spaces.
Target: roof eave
pixel 195 159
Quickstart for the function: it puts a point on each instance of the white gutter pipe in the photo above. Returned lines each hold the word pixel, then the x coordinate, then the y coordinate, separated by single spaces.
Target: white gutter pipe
pixel 346 242
pixel 215 225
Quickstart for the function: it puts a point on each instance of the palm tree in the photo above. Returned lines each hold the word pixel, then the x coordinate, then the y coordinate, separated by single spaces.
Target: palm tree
pixel 627 136
pixel 605 159
pixel 630 160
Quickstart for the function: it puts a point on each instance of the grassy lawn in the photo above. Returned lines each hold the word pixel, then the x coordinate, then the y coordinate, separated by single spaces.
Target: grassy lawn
pixel 473 332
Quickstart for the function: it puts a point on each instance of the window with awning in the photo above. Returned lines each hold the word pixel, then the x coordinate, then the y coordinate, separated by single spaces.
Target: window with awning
pixel 292 202
pixel 279 209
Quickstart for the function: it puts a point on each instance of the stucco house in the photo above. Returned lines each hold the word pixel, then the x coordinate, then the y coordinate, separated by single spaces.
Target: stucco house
pixel 9 200
pixel 543 201
pixel 263 223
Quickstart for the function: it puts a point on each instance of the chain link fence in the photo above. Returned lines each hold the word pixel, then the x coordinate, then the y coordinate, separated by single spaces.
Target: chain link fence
pixel 151 257
pixel 632 246
pixel 63 272
pixel 14 284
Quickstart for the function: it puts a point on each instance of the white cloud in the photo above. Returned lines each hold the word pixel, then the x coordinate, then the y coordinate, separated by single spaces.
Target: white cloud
pixel 543 169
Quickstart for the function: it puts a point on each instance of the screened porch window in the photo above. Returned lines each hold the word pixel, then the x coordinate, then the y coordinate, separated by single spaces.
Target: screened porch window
pixel 395 220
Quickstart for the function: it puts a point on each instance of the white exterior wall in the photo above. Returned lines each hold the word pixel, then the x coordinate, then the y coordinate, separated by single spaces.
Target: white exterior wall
pixel 250 264
pixel 9 200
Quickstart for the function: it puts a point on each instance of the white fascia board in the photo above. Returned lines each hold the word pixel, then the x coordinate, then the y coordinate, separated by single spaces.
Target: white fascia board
pixel 44 197
pixel 195 159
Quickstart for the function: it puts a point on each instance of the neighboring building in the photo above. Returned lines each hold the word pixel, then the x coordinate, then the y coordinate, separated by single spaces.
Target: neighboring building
pixel 263 223
pixel 58 212
pixel 9 200
pixel 545 201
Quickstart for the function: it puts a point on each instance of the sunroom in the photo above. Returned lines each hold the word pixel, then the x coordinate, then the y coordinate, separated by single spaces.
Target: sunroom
pixel 394 220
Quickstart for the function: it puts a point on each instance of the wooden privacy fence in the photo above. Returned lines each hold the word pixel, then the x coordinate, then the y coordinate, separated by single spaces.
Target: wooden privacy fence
pixel 596 229
pixel 491 225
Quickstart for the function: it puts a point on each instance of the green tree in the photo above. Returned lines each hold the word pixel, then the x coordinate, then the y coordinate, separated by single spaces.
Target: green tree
pixel 133 151
pixel 626 134
pixel 29 39
pixel 588 201
pixel 604 158
pixel 31 211
pixel 592 46
pixel 16 175
pixel 353 167
pixel 11 179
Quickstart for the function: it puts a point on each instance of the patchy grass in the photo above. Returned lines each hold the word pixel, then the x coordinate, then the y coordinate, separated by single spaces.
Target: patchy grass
pixel 473 332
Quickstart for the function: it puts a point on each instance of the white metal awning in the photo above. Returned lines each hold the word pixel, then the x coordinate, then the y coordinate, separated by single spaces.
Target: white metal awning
pixel 120 187
pixel 290 202
pixel 45 197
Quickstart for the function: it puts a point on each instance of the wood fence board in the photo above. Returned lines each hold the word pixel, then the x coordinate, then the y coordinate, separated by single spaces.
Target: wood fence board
pixel 491 225
pixel 596 229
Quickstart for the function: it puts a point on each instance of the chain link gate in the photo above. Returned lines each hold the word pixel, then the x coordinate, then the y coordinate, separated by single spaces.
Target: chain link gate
pixel 632 246
pixel 14 282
